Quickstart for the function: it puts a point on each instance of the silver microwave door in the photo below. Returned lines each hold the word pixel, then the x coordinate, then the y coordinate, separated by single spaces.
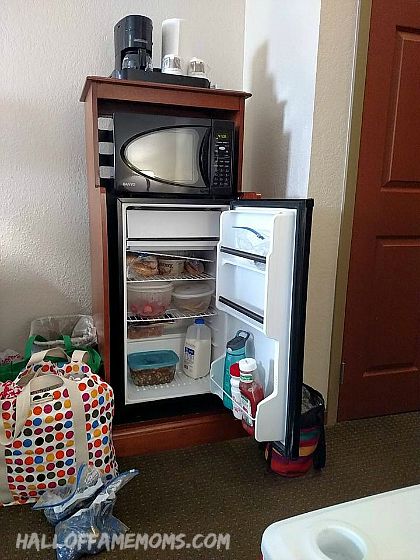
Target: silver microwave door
pixel 170 155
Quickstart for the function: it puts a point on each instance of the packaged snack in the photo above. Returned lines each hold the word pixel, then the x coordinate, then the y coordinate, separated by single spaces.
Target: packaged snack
pixel 194 267
pixel 141 266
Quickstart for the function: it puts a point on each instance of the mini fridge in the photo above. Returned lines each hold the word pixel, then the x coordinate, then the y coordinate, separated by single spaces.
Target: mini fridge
pixel 255 255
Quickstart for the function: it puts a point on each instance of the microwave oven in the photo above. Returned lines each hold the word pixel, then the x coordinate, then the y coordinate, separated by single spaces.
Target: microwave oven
pixel 167 155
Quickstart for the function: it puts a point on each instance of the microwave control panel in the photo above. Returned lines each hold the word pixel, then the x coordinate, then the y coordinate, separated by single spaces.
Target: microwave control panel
pixel 222 157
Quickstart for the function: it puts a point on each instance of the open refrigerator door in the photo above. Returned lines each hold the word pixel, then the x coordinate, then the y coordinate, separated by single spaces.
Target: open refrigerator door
pixel 261 282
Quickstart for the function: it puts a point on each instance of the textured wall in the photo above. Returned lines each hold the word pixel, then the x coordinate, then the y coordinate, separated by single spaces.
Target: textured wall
pixel 280 54
pixel 47 48
pixel 298 64
pixel 327 178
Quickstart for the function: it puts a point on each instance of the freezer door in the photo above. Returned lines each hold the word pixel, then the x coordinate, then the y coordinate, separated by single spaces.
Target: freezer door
pixel 261 285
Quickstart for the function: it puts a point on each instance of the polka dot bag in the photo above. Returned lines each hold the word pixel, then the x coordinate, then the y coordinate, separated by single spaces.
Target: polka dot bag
pixel 58 416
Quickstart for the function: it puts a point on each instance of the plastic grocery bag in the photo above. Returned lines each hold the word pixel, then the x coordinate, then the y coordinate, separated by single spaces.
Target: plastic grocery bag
pixel 11 364
pixel 80 329
pixel 92 529
pixel 61 502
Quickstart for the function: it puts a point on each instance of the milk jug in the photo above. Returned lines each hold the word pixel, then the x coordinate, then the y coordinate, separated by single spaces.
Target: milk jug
pixel 197 350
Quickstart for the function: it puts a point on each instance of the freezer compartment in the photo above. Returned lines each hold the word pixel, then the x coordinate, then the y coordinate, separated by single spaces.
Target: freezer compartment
pixel 162 222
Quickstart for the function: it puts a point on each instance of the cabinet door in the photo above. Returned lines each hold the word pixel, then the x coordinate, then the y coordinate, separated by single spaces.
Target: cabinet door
pixel 261 285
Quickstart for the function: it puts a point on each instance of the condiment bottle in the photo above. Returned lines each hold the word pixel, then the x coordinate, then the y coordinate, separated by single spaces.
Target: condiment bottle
pixel 251 393
pixel 236 393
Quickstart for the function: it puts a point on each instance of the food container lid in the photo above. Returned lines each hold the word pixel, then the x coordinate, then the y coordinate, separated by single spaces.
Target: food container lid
pixel 152 359
pixel 193 289
pixel 170 260
pixel 150 287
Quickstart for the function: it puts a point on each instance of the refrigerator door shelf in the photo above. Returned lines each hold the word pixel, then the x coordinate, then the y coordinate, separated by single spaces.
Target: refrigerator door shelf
pixel 271 417
pixel 257 288
pixel 216 383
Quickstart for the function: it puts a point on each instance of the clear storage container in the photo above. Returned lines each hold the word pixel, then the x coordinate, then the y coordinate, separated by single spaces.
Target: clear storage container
pixel 148 330
pixel 152 368
pixel 193 297
pixel 170 266
pixel 149 299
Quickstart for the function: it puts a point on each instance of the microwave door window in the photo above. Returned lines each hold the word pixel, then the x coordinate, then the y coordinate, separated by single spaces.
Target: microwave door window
pixel 169 155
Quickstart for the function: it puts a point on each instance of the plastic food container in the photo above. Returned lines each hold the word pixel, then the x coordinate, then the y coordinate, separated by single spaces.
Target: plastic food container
pixel 193 297
pixel 149 299
pixel 171 266
pixel 152 368
pixel 136 332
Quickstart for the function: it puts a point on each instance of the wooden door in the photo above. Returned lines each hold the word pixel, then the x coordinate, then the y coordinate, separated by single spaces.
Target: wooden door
pixel 381 346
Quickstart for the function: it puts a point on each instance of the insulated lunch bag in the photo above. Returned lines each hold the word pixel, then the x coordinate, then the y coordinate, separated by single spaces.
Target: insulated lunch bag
pixel 312 449
pixel 55 417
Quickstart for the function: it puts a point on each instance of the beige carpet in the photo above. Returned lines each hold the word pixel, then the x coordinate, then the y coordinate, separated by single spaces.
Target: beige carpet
pixel 225 488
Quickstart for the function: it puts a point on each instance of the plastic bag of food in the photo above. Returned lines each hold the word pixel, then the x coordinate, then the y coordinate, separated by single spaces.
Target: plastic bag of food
pixel 252 241
pixel 61 502
pixel 141 265
pixel 93 528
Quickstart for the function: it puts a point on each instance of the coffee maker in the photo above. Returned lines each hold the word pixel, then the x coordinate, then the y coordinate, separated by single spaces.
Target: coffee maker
pixel 133 45
pixel 133 55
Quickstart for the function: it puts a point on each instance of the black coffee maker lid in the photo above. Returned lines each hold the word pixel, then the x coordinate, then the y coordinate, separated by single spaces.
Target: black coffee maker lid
pixel 133 31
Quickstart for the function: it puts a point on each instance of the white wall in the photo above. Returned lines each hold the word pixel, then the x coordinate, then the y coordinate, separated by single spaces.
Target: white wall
pixel 331 127
pixel 280 54
pixel 298 63
pixel 47 48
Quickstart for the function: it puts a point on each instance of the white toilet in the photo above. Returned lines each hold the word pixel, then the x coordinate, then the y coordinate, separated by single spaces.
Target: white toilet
pixel 382 527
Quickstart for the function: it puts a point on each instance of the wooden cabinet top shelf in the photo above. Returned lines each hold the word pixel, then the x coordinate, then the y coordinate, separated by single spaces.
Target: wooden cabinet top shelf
pixel 165 94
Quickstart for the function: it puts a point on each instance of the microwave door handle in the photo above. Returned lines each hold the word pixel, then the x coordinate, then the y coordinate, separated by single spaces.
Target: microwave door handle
pixel 204 157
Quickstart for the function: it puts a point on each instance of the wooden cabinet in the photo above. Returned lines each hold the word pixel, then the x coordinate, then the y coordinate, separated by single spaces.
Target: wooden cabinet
pixel 104 96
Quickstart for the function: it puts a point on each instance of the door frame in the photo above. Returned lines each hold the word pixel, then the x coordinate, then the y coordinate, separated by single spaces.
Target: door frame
pixel 343 258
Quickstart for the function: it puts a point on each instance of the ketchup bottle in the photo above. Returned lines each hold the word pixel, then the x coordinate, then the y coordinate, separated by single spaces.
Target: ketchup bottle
pixel 251 393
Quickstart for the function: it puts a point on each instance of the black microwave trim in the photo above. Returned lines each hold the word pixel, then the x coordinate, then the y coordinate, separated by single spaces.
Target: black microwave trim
pixel 204 141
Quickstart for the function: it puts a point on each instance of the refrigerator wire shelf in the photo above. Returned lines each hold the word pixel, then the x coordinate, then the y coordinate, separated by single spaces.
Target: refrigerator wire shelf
pixel 177 255
pixel 171 315
pixel 180 381
pixel 173 277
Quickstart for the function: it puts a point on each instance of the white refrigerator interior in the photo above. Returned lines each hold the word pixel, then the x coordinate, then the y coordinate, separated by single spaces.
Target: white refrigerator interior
pixel 248 253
